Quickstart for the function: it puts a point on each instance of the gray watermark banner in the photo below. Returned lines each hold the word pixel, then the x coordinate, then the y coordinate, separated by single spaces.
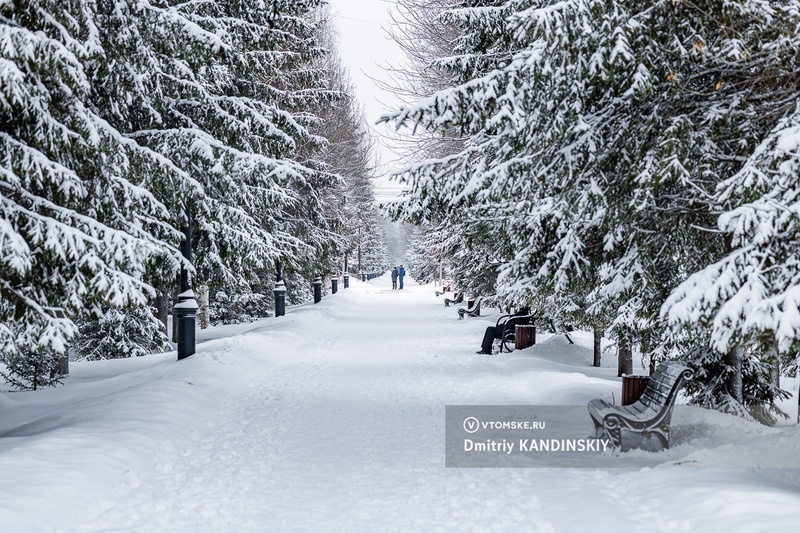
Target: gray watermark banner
pixel 509 436
pixel 564 436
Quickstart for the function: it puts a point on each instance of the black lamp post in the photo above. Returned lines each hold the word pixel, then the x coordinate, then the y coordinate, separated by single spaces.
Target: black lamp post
pixel 346 273
pixel 185 309
pixel 279 291
pixel 317 289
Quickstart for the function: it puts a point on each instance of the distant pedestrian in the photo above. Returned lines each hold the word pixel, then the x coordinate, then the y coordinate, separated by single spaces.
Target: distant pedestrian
pixel 394 278
pixel 400 273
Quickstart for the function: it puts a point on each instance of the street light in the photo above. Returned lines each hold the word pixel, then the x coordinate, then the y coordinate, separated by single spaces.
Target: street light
pixel 185 309
pixel 317 289
pixel 279 292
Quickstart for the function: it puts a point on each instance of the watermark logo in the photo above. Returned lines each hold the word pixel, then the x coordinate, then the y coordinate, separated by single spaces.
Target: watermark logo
pixel 473 425
pixel 520 436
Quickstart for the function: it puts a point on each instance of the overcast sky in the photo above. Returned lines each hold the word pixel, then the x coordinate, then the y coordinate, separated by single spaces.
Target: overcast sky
pixel 365 47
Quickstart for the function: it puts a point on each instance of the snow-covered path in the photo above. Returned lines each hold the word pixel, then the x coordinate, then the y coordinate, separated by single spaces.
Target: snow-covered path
pixel 332 419
pixel 341 433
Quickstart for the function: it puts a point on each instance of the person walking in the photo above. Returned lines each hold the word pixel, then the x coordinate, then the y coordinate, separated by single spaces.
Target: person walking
pixel 394 278
pixel 400 273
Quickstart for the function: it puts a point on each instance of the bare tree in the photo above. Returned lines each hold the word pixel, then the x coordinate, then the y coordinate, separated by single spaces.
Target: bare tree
pixel 424 38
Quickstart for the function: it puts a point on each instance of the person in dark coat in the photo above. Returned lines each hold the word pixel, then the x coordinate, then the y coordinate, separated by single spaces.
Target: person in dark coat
pixel 496 332
pixel 400 273
pixel 394 278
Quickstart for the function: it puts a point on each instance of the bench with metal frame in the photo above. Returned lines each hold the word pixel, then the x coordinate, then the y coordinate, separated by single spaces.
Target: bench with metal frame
pixel 472 311
pixel 457 300
pixel 508 324
pixel 645 423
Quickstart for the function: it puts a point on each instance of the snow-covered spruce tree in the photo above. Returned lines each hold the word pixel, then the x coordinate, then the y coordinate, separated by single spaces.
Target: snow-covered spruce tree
pixel 362 222
pixel 446 48
pixel 362 226
pixel 587 170
pixel 348 152
pixel 76 229
pixel 746 302
pixel 737 302
pixel 131 331
pixel 598 143
pixel 319 221
pixel 128 90
pixel 219 89
pixel 238 308
pixel 424 254
pixel 695 127
pixel 424 38
pixel 377 252
pixel 488 191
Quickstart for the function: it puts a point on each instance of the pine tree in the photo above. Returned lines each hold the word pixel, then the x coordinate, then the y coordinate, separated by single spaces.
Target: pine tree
pixel 76 227
pixel 598 133
pixel 425 254
pixel 132 331
pixel 745 302
pixel 447 47
pixel 348 152
pixel 218 89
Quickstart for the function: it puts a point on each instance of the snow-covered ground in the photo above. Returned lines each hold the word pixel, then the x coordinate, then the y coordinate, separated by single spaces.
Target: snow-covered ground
pixel 332 419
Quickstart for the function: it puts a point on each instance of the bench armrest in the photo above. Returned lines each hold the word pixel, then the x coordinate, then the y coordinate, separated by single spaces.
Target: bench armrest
pixel 497 324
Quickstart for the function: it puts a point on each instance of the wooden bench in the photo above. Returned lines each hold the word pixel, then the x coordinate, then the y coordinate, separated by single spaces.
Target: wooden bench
pixel 472 311
pixel 445 288
pixel 645 423
pixel 457 300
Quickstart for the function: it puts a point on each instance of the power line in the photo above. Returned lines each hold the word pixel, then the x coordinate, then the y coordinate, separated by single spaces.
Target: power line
pixel 390 2
pixel 359 20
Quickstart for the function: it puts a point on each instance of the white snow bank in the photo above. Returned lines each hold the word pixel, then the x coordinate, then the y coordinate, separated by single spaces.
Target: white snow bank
pixel 332 419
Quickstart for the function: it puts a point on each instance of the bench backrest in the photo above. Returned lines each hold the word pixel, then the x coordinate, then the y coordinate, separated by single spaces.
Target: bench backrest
pixel 476 305
pixel 513 321
pixel 664 384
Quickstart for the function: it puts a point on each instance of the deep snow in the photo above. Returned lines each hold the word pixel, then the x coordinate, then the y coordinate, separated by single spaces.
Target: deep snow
pixel 332 419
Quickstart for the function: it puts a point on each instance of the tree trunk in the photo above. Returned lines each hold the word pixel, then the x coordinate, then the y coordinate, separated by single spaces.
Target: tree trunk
pixel 774 359
pixel 161 303
pixel 647 349
pixel 202 315
pixel 598 335
pixel 63 364
pixel 174 323
pixel 625 364
pixel 733 380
